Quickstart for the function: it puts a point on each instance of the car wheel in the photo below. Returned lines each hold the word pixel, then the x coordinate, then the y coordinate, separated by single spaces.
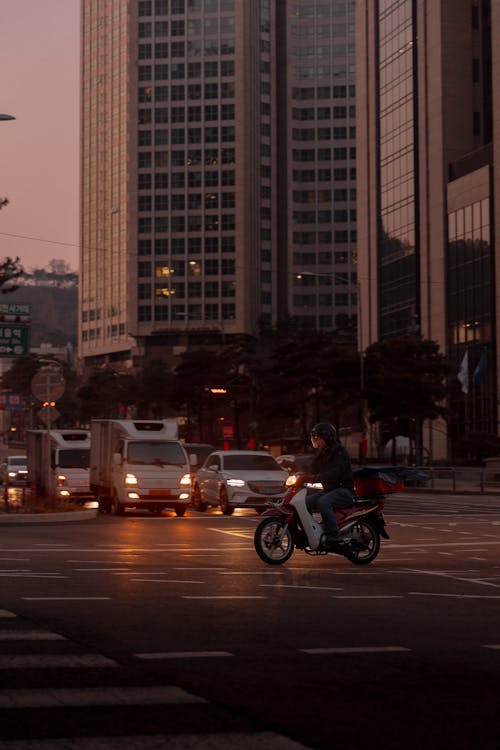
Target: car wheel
pixel 180 510
pixel 116 507
pixel 226 509
pixel 198 503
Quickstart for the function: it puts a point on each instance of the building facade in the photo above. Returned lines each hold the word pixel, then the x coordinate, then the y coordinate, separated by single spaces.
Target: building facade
pixel 217 172
pixel 428 195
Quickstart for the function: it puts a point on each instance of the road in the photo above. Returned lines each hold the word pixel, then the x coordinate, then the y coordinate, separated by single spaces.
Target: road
pixel 170 633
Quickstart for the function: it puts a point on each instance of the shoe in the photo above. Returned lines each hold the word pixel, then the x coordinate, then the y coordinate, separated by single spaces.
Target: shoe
pixel 331 540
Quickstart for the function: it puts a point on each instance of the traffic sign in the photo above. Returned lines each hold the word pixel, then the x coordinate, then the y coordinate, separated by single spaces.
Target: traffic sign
pixel 14 340
pixel 48 414
pixel 48 384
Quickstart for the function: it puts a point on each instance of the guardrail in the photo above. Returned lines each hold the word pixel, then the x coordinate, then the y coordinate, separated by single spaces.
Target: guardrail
pixel 466 479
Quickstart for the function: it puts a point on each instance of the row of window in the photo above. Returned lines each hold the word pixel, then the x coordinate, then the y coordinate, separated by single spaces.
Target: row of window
pixel 180 136
pixel 207 156
pixel 323 300
pixel 194 48
pixel 177 313
pixel 194 289
pixel 191 92
pixel 197 223
pixel 194 27
pixel 192 201
pixel 209 69
pixel 305 93
pixel 178 180
pixel 181 246
pixel 161 7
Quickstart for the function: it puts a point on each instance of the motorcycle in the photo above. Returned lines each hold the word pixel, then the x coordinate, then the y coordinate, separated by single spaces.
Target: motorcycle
pixel 287 524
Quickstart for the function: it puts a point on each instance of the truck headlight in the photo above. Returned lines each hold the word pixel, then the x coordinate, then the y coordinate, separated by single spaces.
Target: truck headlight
pixel 130 479
pixel 61 480
pixel 186 479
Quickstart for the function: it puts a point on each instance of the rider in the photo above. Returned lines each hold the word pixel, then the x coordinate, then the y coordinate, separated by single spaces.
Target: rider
pixel 332 467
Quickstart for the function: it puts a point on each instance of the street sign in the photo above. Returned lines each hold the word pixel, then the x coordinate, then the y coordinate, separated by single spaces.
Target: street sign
pixel 48 414
pixel 15 312
pixel 48 384
pixel 14 340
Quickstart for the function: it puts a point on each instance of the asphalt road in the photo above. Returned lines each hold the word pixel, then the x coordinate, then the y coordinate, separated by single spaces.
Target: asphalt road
pixel 171 633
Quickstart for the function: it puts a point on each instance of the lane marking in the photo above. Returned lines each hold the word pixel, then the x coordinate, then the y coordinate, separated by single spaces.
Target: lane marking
pixel 293 586
pixel 5 613
pixel 354 650
pixel 453 596
pixel 31 661
pixel 243 534
pixel 30 635
pixel 157 580
pixel 374 596
pixel 439 574
pixel 112 696
pixel 219 740
pixel 494 646
pixel 183 655
pixel 66 598
pixel 55 576
pixel 224 597
pixel 102 570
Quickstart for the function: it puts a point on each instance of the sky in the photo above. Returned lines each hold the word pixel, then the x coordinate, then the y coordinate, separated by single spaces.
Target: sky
pixel 39 150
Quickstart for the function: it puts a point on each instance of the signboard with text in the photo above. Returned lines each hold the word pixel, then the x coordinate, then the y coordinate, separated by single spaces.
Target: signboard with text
pixel 14 340
pixel 15 312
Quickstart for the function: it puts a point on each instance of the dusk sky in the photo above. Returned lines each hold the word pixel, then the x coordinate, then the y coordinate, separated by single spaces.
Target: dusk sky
pixel 39 151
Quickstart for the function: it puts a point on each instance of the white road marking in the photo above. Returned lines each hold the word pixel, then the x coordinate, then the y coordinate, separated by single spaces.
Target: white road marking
pixel 55 576
pixel 224 597
pixel 183 655
pixel 100 696
pixel 66 598
pixel 251 573
pixel 101 570
pixel 157 580
pixel 440 574
pixel 30 661
pixel 229 532
pixel 293 586
pixel 5 613
pixel 354 650
pixel 494 646
pixel 30 635
pixel 369 596
pixel 452 596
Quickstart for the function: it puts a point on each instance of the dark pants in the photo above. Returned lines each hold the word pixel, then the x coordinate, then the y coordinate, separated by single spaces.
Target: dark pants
pixel 326 502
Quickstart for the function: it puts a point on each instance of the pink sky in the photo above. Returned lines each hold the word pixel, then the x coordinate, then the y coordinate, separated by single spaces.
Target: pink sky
pixel 39 156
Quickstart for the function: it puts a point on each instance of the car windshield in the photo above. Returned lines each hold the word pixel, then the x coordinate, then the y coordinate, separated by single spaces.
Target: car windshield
pixel 251 463
pixel 74 458
pixel 150 452
pixel 17 461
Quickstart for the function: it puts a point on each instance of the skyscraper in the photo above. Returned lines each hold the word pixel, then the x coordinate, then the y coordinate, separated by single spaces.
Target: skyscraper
pixel 428 130
pixel 218 179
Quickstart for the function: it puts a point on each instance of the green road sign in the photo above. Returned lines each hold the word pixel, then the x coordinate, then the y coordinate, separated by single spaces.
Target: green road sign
pixel 15 312
pixel 14 340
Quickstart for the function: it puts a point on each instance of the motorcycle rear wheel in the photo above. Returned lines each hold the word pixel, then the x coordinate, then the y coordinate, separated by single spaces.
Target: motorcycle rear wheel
pixel 364 545
pixel 273 545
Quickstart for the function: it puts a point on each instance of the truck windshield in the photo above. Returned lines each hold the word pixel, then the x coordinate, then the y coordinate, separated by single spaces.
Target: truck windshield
pixel 74 458
pixel 150 452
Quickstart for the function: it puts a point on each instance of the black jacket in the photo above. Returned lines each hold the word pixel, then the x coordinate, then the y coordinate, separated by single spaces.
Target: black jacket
pixel 332 467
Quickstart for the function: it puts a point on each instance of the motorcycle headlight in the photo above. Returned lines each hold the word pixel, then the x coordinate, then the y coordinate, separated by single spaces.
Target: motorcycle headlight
pixel 291 480
pixel 130 479
pixel 236 482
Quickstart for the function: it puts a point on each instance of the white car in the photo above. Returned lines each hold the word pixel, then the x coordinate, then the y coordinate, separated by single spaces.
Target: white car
pixel 238 479
pixel 15 470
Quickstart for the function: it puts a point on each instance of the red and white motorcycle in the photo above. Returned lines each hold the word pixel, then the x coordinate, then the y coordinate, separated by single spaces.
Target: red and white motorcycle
pixel 288 523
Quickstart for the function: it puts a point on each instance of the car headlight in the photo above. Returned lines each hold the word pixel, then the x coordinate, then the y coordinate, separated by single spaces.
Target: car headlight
pixel 236 482
pixel 186 479
pixel 130 479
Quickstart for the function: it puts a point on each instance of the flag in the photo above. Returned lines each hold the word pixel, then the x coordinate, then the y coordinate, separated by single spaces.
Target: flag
pixel 481 368
pixel 463 372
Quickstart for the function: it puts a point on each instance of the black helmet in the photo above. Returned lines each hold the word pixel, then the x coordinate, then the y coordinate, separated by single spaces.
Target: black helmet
pixel 326 431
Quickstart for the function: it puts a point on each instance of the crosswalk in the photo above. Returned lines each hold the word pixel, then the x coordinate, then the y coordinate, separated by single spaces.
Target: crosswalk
pixel 54 695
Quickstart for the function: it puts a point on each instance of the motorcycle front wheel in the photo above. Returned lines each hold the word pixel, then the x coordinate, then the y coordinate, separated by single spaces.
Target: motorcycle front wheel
pixel 364 545
pixel 273 541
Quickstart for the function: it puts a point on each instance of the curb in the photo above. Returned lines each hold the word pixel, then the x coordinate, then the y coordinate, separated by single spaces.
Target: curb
pixel 35 518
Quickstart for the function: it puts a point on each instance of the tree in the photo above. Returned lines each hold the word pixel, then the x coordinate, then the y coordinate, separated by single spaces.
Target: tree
pixel 405 384
pixel 10 270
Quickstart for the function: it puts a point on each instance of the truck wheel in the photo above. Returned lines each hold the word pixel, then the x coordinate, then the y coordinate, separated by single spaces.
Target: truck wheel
pixel 116 507
pixel 104 504
pixel 180 510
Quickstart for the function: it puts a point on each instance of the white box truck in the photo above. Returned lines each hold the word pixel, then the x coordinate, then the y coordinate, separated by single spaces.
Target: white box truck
pixel 139 464
pixel 58 463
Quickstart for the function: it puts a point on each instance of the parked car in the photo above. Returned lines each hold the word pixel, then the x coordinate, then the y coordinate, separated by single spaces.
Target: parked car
pixel 15 470
pixel 238 479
